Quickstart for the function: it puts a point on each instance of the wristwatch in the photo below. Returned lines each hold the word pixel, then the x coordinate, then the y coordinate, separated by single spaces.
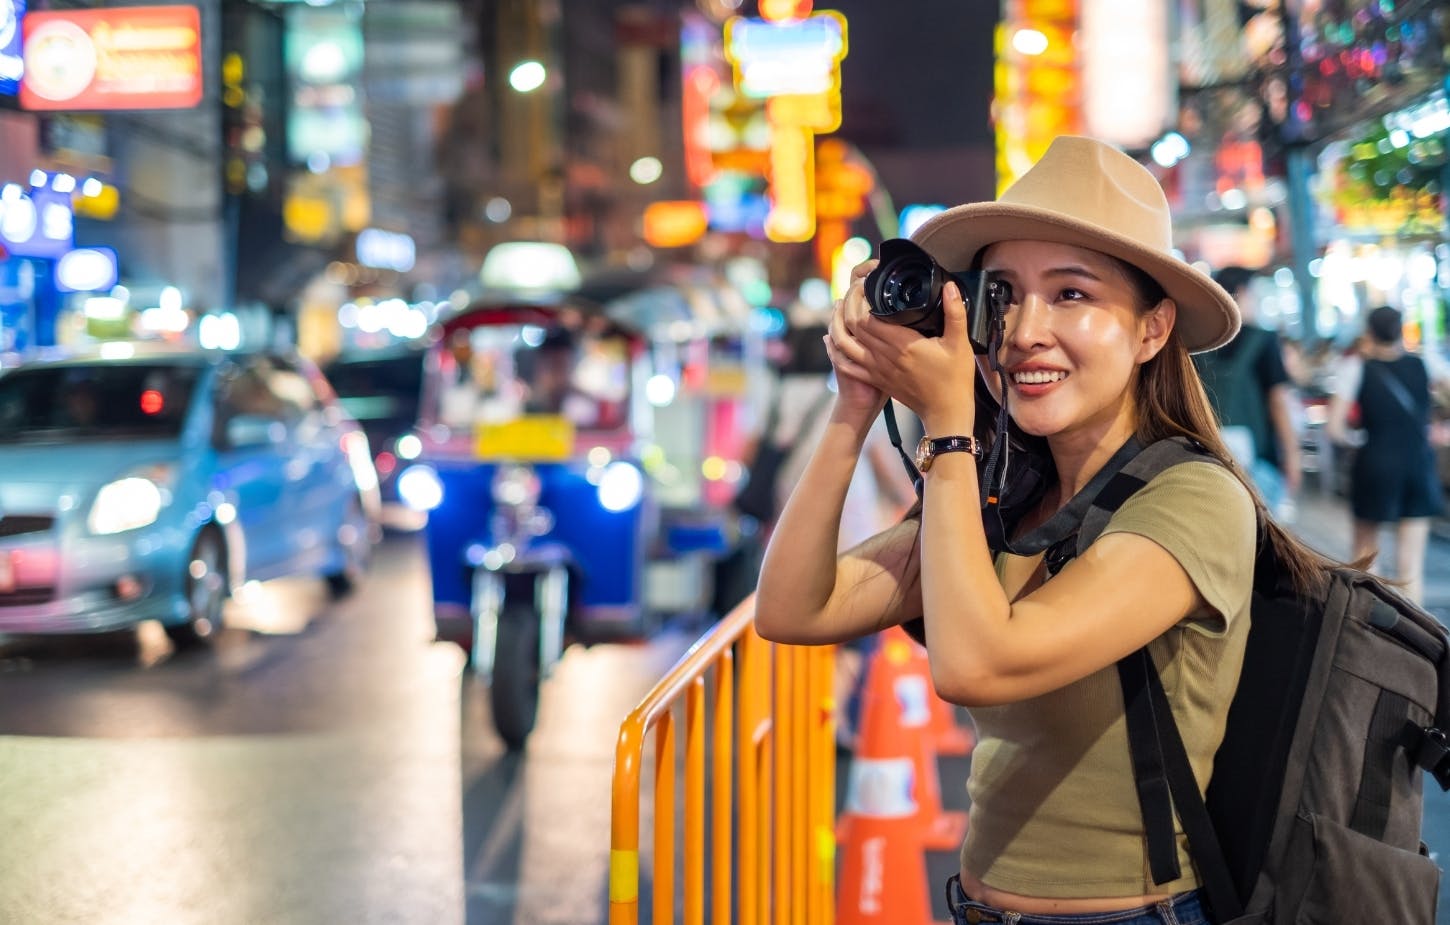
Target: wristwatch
pixel 931 447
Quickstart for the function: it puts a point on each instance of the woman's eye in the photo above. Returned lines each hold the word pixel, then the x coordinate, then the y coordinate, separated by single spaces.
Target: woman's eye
pixel 1072 295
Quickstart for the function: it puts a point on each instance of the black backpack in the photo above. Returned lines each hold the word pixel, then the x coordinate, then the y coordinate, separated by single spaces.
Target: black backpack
pixel 1313 811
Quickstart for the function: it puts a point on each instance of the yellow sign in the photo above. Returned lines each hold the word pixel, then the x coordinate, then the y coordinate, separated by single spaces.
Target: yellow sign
pixel 532 438
pixel 796 67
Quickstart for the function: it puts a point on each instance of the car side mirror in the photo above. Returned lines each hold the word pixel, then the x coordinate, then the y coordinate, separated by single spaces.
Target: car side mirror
pixel 253 431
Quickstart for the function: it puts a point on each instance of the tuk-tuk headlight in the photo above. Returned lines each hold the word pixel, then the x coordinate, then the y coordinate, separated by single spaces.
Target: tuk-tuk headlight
pixel 420 488
pixel 620 487
pixel 515 486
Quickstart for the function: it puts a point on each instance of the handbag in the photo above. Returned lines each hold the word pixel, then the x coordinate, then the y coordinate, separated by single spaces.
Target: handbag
pixel 757 496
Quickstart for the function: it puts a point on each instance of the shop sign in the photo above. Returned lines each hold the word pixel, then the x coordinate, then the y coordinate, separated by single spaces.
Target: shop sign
pixel 324 60
pixel 795 65
pixel 87 269
pixel 12 66
pixel 36 224
pixel 140 57
pixel 1124 56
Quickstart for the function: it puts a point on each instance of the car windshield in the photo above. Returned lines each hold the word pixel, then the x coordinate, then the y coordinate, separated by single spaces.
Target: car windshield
pixel 378 388
pixel 95 401
pixel 498 373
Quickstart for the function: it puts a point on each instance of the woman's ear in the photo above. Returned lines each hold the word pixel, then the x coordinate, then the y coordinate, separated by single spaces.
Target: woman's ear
pixel 1156 325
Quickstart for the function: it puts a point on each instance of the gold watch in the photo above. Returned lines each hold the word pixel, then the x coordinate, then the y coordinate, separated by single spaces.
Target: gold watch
pixel 929 448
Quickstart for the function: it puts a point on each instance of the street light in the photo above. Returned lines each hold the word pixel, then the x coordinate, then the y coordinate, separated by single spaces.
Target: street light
pixel 527 76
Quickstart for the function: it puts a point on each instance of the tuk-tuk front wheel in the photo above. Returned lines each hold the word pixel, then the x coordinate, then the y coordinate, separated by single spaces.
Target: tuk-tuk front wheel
pixel 514 692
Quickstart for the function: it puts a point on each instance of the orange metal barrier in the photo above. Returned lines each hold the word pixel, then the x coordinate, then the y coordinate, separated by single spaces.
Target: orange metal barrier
pixel 770 853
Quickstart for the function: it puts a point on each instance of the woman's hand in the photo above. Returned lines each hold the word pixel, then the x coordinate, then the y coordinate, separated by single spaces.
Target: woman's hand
pixel 934 376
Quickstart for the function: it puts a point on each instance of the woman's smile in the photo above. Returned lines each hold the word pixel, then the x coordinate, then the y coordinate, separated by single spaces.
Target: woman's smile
pixel 1031 381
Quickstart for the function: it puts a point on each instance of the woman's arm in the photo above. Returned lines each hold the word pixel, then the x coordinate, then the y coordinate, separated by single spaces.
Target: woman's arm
pixel 1123 592
pixel 807 593
pixel 986 647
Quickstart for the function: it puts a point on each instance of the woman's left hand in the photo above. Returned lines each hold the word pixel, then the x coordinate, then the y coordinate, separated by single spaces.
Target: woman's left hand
pixel 933 376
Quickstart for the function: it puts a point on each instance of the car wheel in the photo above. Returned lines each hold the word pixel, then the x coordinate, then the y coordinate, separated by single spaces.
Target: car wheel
pixel 206 590
pixel 514 691
pixel 355 546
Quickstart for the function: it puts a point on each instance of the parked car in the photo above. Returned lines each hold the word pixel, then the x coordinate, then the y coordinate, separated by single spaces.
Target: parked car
pixel 139 484
pixel 381 389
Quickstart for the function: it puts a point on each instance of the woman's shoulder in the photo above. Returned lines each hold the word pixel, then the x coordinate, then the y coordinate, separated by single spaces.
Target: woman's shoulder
pixel 1202 495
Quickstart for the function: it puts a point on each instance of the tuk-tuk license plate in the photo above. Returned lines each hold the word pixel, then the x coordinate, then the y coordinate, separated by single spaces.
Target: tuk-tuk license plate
pixel 535 438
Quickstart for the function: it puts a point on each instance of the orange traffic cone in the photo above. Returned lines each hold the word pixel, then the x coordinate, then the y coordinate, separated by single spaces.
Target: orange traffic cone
pixel 912 685
pixel 893 811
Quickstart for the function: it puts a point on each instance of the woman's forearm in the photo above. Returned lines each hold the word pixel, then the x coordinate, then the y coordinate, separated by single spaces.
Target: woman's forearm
pixel 799 571
pixel 966 611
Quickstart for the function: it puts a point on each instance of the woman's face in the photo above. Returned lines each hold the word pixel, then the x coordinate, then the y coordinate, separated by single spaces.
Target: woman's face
pixel 1074 338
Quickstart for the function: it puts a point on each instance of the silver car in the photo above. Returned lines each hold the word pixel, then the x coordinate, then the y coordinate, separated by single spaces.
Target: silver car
pixel 141 485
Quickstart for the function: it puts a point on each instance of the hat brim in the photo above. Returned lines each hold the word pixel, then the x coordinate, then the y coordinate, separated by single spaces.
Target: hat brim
pixel 1208 317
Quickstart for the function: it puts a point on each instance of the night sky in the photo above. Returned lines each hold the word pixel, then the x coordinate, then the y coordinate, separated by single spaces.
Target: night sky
pixel 916 88
pixel 918 72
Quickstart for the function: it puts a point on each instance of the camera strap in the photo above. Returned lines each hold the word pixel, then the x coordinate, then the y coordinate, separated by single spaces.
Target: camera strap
pixel 889 412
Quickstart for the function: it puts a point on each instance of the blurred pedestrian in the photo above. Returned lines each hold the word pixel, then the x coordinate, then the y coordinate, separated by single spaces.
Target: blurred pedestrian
pixel 1254 398
pixel 1099 320
pixel 1393 478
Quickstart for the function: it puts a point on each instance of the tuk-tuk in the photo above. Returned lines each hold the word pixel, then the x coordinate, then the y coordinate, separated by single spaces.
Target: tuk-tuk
pixel 542 479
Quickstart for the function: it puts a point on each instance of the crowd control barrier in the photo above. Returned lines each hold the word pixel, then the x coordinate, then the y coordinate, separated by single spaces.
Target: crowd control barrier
pixel 752 836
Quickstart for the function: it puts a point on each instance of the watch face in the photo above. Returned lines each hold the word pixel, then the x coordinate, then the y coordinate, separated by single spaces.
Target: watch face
pixel 923 454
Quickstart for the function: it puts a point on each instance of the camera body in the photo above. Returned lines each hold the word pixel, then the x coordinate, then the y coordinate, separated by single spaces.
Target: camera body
pixel 906 288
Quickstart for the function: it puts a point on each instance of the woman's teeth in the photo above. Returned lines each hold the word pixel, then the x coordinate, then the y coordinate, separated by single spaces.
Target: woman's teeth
pixel 1038 376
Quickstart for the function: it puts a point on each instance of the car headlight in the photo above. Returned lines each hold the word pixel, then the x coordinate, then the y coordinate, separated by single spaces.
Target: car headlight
pixel 420 488
pixel 620 487
pixel 515 486
pixel 125 504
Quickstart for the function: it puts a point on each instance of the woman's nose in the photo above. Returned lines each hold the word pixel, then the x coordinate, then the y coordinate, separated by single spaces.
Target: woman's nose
pixel 1028 323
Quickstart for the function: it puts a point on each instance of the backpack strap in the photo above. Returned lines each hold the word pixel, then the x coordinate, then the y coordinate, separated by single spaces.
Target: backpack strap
pixel 1161 770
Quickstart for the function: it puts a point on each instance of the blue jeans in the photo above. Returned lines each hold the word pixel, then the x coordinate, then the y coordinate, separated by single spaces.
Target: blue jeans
pixel 1183 909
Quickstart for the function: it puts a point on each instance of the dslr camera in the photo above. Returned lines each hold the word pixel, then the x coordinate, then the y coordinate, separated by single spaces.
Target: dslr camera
pixel 905 288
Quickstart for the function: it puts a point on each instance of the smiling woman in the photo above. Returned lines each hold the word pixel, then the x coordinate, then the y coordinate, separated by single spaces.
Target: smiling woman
pixel 1088 362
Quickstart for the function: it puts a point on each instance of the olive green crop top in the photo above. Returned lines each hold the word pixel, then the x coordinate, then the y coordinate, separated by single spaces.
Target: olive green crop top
pixel 1054 810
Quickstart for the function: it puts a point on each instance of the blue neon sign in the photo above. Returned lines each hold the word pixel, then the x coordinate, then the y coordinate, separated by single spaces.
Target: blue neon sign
pixel 12 63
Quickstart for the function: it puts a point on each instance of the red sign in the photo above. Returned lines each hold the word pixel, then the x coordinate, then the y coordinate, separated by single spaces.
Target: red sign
pixel 140 57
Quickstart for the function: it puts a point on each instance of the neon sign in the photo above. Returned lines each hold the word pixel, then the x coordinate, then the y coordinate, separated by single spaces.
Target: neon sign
pixel 12 65
pixel 795 65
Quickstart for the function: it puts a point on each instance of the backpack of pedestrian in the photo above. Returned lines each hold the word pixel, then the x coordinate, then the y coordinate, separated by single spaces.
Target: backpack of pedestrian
pixel 1314 807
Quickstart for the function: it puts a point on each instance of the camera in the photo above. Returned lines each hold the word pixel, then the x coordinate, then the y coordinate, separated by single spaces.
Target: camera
pixel 905 288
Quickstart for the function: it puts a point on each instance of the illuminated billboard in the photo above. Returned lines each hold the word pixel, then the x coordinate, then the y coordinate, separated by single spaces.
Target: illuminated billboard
pixel 139 57
pixel 11 64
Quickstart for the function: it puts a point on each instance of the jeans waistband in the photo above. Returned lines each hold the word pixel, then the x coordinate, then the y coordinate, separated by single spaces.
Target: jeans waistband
pixel 1182 909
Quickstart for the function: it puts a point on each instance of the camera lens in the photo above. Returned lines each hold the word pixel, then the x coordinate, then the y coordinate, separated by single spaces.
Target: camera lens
pixel 906 285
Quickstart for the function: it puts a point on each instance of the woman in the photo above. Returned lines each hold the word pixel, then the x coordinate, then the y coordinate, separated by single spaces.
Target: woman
pixel 1393 479
pixel 1098 329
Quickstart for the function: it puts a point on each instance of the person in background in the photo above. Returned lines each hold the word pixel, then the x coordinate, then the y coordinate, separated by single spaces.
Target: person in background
pixel 1393 478
pixel 1254 398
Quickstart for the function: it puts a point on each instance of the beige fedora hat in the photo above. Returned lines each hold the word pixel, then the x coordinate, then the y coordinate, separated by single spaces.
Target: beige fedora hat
pixel 1089 194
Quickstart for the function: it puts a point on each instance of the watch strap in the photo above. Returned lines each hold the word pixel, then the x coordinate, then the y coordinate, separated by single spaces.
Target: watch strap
pixel 956 444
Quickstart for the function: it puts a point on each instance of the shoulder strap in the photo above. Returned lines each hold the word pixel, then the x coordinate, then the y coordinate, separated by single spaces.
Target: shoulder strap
pixel 1162 773
pixel 1397 388
pixel 1068 521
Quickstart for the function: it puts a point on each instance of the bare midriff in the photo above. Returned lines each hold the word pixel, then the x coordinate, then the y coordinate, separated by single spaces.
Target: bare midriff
pixel 1044 905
